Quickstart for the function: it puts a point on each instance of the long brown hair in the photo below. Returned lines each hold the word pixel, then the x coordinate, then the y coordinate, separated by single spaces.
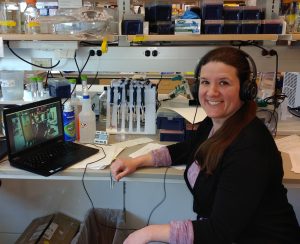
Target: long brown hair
pixel 211 151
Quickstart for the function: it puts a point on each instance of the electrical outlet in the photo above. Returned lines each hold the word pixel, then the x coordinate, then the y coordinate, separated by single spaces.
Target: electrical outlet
pixel 44 62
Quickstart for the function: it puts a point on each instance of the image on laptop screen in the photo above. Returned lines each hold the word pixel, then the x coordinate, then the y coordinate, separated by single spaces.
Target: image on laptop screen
pixel 33 126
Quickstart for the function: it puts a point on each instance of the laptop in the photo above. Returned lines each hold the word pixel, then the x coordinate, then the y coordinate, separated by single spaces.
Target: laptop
pixel 35 138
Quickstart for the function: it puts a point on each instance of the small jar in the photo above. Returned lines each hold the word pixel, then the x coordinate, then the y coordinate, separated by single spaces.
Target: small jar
pixel 10 17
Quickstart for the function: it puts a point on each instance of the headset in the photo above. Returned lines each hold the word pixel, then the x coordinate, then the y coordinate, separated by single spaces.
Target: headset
pixel 248 89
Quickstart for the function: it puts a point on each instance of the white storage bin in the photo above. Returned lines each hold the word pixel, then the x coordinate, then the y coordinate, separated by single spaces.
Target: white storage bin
pixel 12 85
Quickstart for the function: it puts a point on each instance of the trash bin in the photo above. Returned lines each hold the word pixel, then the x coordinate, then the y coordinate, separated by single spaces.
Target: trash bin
pixel 102 226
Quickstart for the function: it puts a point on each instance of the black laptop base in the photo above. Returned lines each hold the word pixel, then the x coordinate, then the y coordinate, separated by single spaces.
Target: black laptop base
pixel 54 165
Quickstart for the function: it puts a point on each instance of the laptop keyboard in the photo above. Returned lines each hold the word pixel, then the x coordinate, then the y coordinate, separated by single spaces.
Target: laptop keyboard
pixel 57 151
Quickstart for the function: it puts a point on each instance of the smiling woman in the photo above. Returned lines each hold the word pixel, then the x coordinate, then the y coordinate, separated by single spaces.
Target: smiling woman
pixel 219 92
pixel 233 167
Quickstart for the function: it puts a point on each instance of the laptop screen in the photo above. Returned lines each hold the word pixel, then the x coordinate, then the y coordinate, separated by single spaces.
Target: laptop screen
pixel 33 124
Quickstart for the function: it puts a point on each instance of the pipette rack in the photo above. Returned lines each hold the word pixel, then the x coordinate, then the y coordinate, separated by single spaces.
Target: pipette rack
pixel 131 107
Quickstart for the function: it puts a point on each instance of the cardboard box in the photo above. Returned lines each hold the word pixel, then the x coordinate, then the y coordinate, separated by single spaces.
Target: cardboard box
pixel 187 26
pixel 55 228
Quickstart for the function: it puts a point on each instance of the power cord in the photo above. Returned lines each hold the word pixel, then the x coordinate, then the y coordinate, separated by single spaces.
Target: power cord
pixel 90 199
pixel 277 98
pixel 96 76
pixel 84 172
pixel 79 72
pixel 162 200
pixel 39 66
pixel 294 111
pixel 124 191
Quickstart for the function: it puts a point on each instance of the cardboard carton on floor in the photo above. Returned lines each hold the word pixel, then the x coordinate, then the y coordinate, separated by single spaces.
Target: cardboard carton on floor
pixel 56 228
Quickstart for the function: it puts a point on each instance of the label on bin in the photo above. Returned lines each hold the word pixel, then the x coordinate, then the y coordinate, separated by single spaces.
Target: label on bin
pixel 8 83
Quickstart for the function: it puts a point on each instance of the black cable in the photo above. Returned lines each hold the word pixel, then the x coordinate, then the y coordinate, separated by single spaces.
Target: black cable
pixel 194 118
pixel 294 111
pixel 90 199
pixel 276 99
pixel 94 79
pixel 87 60
pixel 93 207
pixel 43 67
pixel 79 73
pixel 158 103
pixel 163 199
pixel 273 116
pixel 82 179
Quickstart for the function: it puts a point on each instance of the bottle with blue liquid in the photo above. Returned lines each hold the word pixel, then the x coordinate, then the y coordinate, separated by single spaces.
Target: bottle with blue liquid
pixel 69 122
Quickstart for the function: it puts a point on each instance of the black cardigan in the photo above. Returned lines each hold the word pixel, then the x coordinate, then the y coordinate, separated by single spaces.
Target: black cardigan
pixel 244 200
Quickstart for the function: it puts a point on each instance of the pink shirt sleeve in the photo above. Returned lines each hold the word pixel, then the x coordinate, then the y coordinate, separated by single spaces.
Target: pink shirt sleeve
pixel 161 157
pixel 181 232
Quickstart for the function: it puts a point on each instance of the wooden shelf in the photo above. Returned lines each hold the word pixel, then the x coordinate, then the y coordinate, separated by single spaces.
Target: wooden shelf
pixel 295 37
pixel 52 37
pixel 153 38
pixel 202 37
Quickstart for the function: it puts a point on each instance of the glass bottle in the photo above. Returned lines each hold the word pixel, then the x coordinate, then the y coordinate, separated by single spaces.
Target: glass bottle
pixel 10 17
pixel 31 18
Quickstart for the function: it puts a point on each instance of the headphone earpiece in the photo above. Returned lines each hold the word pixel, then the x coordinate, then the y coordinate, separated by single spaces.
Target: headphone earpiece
pixel 248 89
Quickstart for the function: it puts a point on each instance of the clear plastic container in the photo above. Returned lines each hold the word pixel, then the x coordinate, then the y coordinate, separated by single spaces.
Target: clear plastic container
pixel 12 85
pixel 87 121
pixel 10 17
pixel 31 18
pixel 103 105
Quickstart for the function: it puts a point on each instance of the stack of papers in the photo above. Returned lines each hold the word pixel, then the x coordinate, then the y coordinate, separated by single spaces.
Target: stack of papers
pixel 291 146
pixel 107 153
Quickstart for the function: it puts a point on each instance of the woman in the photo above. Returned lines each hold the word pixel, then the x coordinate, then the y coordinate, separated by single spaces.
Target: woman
pixel 234 169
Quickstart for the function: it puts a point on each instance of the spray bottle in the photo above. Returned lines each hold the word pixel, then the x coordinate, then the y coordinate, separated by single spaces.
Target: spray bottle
pixel 69 122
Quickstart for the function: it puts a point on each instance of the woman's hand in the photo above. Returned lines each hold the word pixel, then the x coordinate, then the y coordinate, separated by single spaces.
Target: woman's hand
pixel 125 166
pixel 149 233
pixel 122 167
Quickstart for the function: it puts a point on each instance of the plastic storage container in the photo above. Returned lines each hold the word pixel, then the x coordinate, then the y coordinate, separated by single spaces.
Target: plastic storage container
pixel 132 27
pixel 252 13
pixel 232 27
pixel 212 10
pixel 12 85
pixel 87 121
pixel 59 88
pixel 213 26
pixel 171 135
pixel 170 121
pixel 251 27
pixel 103 105
pixel 162 28
pixel 158 13
pixel 232 13
pixel 272 26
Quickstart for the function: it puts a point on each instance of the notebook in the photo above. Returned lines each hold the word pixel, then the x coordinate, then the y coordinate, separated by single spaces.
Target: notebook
pixel 35 138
